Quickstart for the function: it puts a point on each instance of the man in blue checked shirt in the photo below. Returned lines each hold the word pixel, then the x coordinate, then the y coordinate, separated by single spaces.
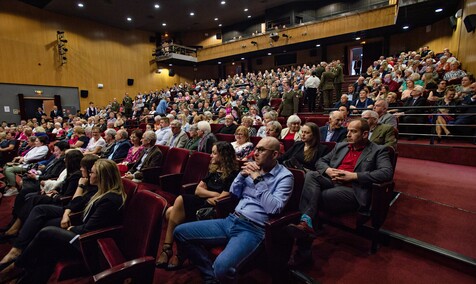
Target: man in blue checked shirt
pixel 263 187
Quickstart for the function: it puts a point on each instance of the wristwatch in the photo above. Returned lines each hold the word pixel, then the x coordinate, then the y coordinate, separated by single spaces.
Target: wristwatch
pixel 82 186
pixel 258 179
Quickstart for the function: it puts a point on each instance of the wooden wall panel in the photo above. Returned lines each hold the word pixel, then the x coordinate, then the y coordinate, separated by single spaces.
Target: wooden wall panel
pixel 467 49
pixel 348 24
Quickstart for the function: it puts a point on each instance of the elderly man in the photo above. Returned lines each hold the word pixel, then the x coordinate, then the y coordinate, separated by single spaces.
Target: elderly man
pixel 150 157
pixel 381 107
pixel 121 147
pixel 230 125
pixel 221 116
pixel 341 183
pixel 380 134
pixel 344 101
pixel 413 116
pixel 333 131
pixel 110 138
pixel 163 134
pixel 178 137
pixel 263 187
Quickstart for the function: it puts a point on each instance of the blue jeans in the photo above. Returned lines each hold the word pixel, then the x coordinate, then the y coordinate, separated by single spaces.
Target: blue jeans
pixel 242 239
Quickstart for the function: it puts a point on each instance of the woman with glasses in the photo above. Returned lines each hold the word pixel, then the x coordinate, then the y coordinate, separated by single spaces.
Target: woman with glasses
pixel 222 171
pixel 35 260
pixel 96 143
pixel 242 145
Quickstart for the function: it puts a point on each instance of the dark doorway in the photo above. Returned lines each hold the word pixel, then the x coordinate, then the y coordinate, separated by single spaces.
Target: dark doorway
pixel 371 52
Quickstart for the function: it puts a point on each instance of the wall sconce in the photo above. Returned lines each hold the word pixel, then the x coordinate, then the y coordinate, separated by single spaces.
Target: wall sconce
pixel 62 50
pixel 254 43
pixel 459 13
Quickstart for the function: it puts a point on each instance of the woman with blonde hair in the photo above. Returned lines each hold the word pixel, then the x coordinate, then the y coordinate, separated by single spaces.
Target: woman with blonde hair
pixel 52 243
pixel 242 145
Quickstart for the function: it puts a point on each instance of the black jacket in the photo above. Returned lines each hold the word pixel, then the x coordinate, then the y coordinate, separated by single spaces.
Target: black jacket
pixel 53 169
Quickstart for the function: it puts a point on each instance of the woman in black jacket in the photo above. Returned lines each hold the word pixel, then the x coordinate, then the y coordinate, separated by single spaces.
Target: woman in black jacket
pixel 304 154
pixel 37 261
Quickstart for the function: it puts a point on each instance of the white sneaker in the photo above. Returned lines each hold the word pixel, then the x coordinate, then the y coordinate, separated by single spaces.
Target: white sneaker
pixel 11 192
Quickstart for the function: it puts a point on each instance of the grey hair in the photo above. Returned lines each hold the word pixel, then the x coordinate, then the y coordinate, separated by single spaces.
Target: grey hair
pixel 110 132
pixel 151 136
pixel 204 126
pixel 293 119
pixel 371 113
pixel 123 133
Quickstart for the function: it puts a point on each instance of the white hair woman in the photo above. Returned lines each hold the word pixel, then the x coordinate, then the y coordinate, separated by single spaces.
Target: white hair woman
pixel 293 129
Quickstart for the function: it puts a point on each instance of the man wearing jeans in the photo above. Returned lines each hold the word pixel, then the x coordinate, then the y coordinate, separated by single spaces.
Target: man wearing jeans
pixel 263 187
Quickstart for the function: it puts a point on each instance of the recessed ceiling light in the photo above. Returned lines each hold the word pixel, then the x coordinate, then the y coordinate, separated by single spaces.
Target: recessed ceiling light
pixel 269 53
pixel 249 16
pixel 81 5
pixel 219 62
pixel 405 27
pixel 317 45
pixel 223 2
pixel 164 24
pixel 357 38
pixel 192 14
pixel 171 64
pixel 156 6
pixel 129 19
pixel 216 19
pixel 242 58
pixel 439 10
pixel 219 25
pixel 246 10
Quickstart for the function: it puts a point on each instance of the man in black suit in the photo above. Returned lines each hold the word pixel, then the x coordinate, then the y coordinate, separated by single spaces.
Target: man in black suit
pixel 413 116
pixel 56 112
pixel 39 114
pixel 341 183
pixel 333 131
pixel 121 147
pixel 150 157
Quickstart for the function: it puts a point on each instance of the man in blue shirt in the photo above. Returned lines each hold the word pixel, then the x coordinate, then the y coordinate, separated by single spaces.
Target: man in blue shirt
pixel 162 107
pixel 263 187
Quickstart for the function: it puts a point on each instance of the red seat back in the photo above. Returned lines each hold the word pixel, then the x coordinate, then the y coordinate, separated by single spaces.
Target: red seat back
pixel 275 103
pixel 197 167
pixel 225 137
pixel 176 161
pixel 319 120
pixel 255 140
pixel 130 188
pixel 165 150
pixel 216 127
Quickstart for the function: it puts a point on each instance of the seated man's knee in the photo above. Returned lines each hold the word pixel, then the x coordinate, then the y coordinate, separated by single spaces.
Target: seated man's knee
pixel 224 272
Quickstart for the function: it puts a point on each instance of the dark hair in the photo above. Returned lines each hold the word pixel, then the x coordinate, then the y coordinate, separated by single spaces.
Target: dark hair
pixel 43 139
pixel 88 161
pixel 364 125
pixel 314 143
pixel 228 163
pixel 73 160
pixel 138 133
pixel 62 145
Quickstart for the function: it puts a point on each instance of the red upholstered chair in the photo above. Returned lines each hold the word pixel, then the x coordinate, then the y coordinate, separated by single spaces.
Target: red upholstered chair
pixel 165 150
pixel 215 127
pixel 172 185
pixel 382 196
pixel 319 120
pixel 275 103
pixel 71 268
pixel 282 121
pixel 127 252
pixel 278 244
pixel 174 163
pixel 330 145
pixel 287 143
pixel 225 137
pixel 255 140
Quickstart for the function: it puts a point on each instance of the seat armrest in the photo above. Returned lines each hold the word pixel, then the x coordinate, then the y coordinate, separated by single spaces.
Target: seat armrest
pixel 89 245
pixel 382 195
pixel 226 205
pixel 284 220
pixel 151 175
pixel 189 188
pixel 65 200
pixel 139 270
pixel 171 183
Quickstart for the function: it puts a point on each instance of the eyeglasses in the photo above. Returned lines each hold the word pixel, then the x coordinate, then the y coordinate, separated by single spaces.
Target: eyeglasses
pixel 262 149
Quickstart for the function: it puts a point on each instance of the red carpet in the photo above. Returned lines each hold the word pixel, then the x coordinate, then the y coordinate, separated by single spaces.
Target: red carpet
pixel 453 185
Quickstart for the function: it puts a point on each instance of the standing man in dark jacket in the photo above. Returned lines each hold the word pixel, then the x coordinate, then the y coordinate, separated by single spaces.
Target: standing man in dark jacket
pixel 327 87
pixel 338 80
pixel 290 103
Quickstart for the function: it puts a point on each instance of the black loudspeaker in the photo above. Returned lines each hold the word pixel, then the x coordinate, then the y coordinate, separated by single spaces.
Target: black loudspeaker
pixel 453 22
pixel 171 72
pixel 259 61
pixel 313 53
pixel 130 82
pixel 470 22
pixel 218 35
pixel 84 93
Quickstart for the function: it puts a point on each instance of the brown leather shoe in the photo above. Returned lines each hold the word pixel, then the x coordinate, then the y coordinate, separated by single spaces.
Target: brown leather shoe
pixel 301 230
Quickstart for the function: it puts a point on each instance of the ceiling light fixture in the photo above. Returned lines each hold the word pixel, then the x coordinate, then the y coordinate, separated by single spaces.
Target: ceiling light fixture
pixel 438 10
pixel 223 2
pixel 242 58
pixel 80 5
pixel 164 24
pixel 357 38
pixel 249 16
pixel 129 19
pixel 246 10
pixel 269 53
pixel 219 25
pixel 216 19
pixel 405 27
pixel 156 6
pixel 192 14
pixel 318 45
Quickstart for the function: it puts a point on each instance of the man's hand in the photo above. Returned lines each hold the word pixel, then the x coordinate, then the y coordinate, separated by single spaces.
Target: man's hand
pixel 31 176
pixel 128 175
pixel 41 167
pixel 65 222
pixel 251 169
pixel 344 176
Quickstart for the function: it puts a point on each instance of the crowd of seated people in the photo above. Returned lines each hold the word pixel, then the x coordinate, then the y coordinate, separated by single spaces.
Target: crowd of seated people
pixel 188 115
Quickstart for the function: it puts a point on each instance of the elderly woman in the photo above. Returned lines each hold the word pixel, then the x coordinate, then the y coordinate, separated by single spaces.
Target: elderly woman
pixel 79 138
pixel 455 72
pixel 305 153
pixel 96 143
pixel 206 137
pixel 248 123
pixel 268 117
pixel 36 153
pixel 192 143
pixel 443 116
pixel 293 129
pixel 242 145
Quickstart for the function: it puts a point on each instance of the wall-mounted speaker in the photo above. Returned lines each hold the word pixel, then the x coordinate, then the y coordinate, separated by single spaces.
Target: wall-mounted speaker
pixel 218 35
pixel 130 82
pixel 470 22
pixel 453 22
pixel 171 72
pixel 84 93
